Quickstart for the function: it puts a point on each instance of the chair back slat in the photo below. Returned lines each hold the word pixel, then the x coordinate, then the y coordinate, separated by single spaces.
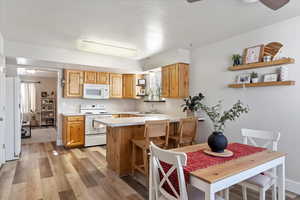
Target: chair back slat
pixel 188 127
pixel 155 129
pixel 271 138
pixel 177 160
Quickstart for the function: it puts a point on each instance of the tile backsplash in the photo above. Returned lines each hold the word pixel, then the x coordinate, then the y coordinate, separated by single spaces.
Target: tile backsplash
pixel 73 105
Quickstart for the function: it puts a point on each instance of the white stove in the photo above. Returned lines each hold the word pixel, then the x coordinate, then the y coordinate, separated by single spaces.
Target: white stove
pixel 94 135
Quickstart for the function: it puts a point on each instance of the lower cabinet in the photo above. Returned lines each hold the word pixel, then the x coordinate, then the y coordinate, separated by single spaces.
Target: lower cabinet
pixel 73 131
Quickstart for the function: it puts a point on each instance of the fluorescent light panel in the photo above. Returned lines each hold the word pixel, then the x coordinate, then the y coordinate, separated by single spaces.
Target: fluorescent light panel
pixel 105 48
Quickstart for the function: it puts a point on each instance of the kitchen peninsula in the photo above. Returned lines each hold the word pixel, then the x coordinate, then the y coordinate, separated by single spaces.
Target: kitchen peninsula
pixel 120 131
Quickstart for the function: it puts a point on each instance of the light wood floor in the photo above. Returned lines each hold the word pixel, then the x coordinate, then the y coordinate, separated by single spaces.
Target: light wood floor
pixel 46 171
pixel 39 135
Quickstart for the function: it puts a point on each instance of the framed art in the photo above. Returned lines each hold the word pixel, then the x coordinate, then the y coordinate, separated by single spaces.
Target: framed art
pixel 270 77
pixel 243 78
pixel 253 54
pixel 141 82
pixel 44 94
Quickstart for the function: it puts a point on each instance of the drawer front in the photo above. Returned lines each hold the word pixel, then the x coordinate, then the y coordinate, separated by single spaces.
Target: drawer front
pixel 75 118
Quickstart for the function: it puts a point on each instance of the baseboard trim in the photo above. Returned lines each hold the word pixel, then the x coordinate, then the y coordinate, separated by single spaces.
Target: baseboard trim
pixel 292 186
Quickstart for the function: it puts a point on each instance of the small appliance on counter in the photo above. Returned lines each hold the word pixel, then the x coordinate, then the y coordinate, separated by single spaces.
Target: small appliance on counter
pixel 95 91
pixel 94 135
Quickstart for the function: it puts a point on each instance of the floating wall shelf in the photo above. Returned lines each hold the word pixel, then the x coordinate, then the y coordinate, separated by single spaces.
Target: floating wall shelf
pixel 263 84
pixel 284 61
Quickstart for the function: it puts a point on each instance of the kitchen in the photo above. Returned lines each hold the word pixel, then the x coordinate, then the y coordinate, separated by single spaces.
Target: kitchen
pixel 173 82
pixel 143 88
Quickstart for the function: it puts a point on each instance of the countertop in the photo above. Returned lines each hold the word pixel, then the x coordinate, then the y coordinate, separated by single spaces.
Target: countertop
pixel 134 121
pixel 108 113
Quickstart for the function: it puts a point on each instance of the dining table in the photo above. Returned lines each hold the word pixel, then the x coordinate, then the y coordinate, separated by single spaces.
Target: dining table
pixel 218 176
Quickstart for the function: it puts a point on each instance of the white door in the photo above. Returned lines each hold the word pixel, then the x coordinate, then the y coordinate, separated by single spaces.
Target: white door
pixel 2 110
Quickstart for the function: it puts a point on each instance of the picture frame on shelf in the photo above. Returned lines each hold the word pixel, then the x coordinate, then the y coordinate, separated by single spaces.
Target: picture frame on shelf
pixel 243 78
pixel 253 54
pixel 142 92
pixel 271 77
pixel 44 94
pixel 141 82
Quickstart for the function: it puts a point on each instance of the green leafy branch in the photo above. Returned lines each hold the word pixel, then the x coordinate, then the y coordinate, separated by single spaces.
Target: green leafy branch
pixel 219 119
pixel 192 103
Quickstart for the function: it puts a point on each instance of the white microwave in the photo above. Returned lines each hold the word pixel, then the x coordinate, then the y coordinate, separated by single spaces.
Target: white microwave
pixel 95 91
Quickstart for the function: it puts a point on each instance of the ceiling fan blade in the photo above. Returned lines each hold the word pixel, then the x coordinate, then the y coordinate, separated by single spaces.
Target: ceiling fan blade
pixel 275 4
pixel 192 1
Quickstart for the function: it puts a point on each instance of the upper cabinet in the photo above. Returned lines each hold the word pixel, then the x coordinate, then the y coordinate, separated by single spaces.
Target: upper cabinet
pixel 175 81
pixel 116 85
pixel 165 79
pixel 129 86
pixel 90 77
pixel 102 78
pixel 73 80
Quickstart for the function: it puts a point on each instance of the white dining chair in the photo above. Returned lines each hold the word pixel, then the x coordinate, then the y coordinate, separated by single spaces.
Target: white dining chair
pixel 266 180
pixel 177 160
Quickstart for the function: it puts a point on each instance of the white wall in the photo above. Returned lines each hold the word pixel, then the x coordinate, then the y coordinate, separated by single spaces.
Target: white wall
pixel 166 58
pixel 272 108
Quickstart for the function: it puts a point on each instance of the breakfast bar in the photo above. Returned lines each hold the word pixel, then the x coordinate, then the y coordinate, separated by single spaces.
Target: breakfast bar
pixel 120 132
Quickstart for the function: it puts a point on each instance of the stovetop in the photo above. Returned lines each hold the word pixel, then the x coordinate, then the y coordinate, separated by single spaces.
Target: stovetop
pixel 93 109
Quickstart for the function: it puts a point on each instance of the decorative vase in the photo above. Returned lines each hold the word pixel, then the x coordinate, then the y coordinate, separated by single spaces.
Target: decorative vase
pixel 190 113
pixel 217 142
pixel 254 80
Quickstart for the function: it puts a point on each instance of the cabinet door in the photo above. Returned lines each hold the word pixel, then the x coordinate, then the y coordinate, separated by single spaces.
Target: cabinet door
pixel 129 86
pixel 73 83
pixel 116 85
pixel 102 78
pixel 183 80
pixel 75 133
pixel 165 76
pixel 174 90
pixel 90 77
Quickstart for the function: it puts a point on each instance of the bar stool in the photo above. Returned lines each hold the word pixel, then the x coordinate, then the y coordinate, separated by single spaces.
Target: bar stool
pixel 154 131
pixel 186 132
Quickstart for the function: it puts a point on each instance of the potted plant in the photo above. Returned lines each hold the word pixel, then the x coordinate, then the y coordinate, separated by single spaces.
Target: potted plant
pixel 217 141
pixel 237 59
pixel 254 77
pixel 192 104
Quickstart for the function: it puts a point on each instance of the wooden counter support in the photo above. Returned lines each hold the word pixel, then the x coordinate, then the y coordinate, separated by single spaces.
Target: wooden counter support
pixel 119 147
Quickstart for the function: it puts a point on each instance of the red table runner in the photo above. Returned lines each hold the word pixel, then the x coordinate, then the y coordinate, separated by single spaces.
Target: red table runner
pixel 199 160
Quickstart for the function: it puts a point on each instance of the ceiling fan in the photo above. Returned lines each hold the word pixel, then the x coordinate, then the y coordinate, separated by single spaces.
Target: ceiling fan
pixel 273 4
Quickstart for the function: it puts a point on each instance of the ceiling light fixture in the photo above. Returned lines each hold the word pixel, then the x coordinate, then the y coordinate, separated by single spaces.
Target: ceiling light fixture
pixel 106 49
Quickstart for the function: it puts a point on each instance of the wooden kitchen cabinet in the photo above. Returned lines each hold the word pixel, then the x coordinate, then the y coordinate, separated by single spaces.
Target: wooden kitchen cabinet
pixel 116 85
pixel 175 81
pixel 129 86
pixel 73 131
pixel 102 78
pixel 73 83
pixel 165 79
pixel 90 77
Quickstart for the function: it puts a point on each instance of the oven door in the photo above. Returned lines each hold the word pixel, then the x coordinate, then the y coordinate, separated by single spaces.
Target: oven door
pixel 91 129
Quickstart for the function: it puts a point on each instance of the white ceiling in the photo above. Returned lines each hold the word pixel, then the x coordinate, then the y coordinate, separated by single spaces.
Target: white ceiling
pixel 151 26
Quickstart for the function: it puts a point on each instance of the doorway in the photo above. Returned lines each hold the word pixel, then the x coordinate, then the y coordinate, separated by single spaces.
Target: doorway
pixel 38 90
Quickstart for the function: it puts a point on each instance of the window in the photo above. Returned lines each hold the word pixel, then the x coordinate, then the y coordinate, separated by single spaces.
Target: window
pixel 28 97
